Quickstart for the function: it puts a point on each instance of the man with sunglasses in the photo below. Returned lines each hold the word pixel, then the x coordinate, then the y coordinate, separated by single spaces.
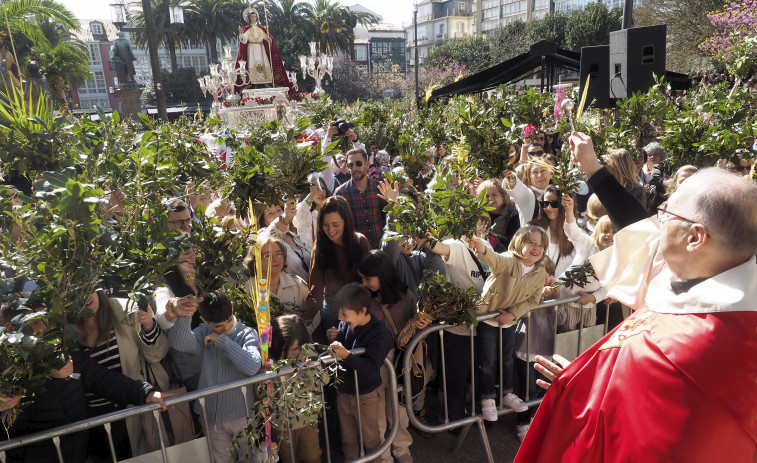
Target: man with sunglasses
pixel 362 194
pixel 676 381
pixel 333 181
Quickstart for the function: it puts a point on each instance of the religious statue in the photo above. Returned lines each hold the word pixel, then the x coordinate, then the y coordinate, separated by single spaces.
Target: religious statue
pixel 9 72
pixel 258 51
pixel 122 59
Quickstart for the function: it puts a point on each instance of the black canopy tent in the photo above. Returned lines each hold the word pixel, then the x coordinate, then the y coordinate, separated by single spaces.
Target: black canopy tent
pixel 543 56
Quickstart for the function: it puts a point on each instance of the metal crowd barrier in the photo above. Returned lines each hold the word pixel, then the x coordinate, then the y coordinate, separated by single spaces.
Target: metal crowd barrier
pixel 106 420
pixel 474 418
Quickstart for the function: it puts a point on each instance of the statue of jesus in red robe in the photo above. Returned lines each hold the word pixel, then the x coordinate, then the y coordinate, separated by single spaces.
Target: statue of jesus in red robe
pixel 261 58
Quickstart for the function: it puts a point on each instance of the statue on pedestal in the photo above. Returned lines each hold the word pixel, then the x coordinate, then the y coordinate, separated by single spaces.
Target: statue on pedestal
pixel 261 56
pixel 122 60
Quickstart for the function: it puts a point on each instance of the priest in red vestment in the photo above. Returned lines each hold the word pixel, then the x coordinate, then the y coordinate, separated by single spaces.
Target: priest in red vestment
pixel 677 381
pixel 260 55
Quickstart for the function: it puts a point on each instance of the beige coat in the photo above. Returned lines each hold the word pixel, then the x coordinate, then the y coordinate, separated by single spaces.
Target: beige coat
pixel 507 288
pixel 134 353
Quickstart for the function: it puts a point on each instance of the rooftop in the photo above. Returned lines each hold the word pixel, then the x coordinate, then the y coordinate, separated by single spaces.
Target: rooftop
pixel 85 31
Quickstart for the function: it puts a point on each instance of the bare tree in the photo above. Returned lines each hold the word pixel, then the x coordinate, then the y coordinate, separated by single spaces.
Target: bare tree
pixel 688 26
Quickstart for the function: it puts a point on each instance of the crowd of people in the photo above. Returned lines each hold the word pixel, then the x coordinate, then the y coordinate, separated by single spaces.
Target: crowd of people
pixel 350 280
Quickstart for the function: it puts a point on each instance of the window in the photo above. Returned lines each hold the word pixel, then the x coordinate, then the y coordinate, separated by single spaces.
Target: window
pixel 461 27
pixel 97 28
pixel 94 54
pixel 361 53
pixel 90 104
pixel 95 85
pixel 461 8
pixel 441 28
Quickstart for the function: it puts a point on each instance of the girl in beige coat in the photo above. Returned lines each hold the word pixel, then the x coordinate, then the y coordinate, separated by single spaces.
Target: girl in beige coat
pixel 121 337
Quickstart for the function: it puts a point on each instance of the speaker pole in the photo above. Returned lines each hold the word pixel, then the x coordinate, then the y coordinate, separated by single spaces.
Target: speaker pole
pixel 627 14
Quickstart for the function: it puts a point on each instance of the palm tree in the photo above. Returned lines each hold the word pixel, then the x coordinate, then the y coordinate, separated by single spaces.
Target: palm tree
pixel 67 62
pixel 291 25
pixel 334 26
pixel 20 17
pixel 161 19
pixel 210 20
pixel 285 15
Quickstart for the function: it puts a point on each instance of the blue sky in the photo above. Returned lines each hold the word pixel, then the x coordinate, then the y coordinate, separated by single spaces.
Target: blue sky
pixel 393 11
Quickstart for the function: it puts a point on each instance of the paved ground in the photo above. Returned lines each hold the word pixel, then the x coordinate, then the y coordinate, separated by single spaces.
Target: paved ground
pixel 440 447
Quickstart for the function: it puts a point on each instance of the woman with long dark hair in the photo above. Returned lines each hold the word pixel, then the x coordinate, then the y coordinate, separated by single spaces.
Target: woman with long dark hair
pixel 336 253
pixel 552 219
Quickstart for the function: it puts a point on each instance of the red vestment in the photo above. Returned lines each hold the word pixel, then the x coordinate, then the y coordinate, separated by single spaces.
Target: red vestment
pixel 280 78
pixel 661 387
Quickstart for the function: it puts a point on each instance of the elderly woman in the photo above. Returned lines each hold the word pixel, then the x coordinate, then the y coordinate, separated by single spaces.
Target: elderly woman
pixel 657 169
pixel 279 225
pixel 288 289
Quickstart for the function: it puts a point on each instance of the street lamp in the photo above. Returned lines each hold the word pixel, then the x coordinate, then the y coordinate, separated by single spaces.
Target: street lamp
pixel 118 14
pixel 176 12
pixel 415 26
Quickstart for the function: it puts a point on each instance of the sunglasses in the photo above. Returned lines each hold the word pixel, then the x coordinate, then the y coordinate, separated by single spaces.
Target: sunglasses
pixel 356 163
pixel 535 153
pixel 553 204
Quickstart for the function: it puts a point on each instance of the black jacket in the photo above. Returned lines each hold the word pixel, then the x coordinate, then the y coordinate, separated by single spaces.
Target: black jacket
pixel 620 204
pixel 375 338
pixel 505 224
pixel 63 403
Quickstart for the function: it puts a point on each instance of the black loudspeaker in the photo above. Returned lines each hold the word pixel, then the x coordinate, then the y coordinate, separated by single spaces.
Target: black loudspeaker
pixel 636 55
pixel 595 62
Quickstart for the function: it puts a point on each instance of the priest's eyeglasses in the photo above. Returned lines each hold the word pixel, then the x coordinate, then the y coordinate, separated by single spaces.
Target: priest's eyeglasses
pixel 664 215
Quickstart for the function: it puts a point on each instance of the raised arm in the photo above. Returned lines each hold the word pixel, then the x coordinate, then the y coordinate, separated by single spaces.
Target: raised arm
pixel 620 204
pixel 522 196
pixel 582 242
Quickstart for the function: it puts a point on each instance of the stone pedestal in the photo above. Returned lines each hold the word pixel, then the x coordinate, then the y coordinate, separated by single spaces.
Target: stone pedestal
pixel 130 95
pixel 250 113
pixel 265 92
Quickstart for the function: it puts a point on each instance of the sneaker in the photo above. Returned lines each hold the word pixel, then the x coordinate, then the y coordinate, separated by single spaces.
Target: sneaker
pixel 489 409
pixel 514 402
pixel 522 429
